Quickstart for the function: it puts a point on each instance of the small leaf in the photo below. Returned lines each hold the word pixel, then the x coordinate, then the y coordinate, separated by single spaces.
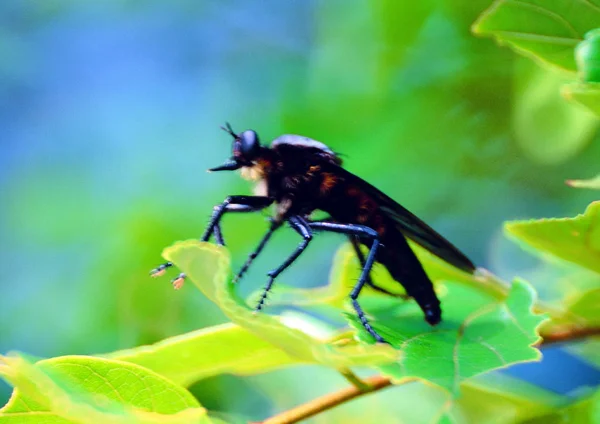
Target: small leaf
pixel 573 239
pixel 478 334
pixel 545 30
pixel 207 266
pixel 190 357
pixel 73 389
pixel 585 94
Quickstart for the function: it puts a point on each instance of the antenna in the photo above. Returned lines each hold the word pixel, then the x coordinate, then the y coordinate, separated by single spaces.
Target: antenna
pixel 227 128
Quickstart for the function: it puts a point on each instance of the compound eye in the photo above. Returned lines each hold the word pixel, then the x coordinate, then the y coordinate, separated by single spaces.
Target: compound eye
pixel 249 144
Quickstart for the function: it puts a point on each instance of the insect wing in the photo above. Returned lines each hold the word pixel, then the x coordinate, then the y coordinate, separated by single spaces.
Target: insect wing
pixel 412 226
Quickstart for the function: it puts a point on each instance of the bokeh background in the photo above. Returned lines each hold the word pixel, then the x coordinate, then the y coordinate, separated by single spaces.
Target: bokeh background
pixel 110 114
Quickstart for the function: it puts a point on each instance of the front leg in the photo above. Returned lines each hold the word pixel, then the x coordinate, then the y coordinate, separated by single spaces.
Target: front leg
pixel 274 226
pixel 230 204
pixel 235 204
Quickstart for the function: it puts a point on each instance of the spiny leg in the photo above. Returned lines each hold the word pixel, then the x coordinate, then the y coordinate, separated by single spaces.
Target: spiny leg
pixel 230 204
pixel 369 281
pixel 361 259
pixel 367 234
pixel 274 226
pixel 300 225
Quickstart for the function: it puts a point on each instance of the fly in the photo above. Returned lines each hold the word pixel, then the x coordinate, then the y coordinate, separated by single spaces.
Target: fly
pixel 300 176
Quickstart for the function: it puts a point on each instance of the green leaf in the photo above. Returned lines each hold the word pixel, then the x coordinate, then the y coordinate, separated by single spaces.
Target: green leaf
pixel 207 266
pixel 73 389
pixel 226 348
pixel 573 239
pixel 545 30
pixel 478 333
pixel 584 94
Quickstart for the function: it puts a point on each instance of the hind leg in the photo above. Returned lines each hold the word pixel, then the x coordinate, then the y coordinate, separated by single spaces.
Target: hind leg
pixel 366 233
pixel 369 281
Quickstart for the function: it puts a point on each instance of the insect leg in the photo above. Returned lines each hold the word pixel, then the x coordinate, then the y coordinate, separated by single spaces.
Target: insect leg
pixel 217 232
pixel 367 234
pixel 274 226
pixel 302 227
pixel 230 204
pixel 361 259
pixel 370 282
pixel 237 203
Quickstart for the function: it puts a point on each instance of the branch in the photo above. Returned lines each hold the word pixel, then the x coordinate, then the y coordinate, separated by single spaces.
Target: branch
pixel 374 384
pixel 568 334
pixel 328 401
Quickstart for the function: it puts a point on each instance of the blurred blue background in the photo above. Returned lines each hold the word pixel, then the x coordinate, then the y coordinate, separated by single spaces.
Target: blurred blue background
pixel 110 115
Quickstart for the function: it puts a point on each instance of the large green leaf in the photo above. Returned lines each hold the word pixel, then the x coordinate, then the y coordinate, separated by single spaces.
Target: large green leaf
pixel 479 333
pixel 226 348
pixel 208 267
pixel 545 30
pixel 77 389
pixel 573 239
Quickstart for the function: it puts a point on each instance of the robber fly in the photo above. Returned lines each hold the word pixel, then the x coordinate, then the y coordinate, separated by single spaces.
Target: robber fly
pixel 300 176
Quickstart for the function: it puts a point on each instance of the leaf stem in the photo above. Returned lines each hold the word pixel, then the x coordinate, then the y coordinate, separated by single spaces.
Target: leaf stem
pixel 354 379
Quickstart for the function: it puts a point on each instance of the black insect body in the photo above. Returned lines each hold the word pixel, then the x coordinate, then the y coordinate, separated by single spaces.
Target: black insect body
pixel 300 176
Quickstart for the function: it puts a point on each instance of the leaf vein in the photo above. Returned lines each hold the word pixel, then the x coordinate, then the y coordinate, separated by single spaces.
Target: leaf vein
pixel 543 11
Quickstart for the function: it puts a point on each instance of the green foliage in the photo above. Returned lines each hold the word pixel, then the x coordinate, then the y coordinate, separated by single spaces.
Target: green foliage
pixel 193 356
pixel 558 33
pixel 484 328
pixel 478 334
pixel 545 30
pixel 573 239
pixel 474 331
pixel 405 80
pixel 73 389
pixel 208 267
